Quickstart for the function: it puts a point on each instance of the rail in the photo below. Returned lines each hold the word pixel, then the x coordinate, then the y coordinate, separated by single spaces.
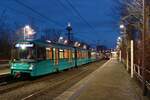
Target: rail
pixel 4 63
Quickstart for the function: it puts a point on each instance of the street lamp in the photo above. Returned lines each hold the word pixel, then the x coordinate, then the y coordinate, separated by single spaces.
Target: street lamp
pixel 119 38
pixel 76 44
pixel 79 44
pixel 65 42
pixel 48 41
pixel 122 26
pixel 84 46
pixel 28 31
pixel 61 39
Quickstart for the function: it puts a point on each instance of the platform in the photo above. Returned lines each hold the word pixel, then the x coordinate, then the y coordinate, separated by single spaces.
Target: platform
pixel 4 69
pixel 109 82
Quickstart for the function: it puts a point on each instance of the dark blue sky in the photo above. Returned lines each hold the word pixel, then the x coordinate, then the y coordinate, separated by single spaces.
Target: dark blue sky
pixel 98 13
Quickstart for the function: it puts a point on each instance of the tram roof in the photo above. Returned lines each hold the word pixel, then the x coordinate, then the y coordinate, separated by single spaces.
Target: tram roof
pixel 47 44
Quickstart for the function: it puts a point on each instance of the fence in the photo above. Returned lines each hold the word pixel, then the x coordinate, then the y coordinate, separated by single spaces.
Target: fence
pixel 138 73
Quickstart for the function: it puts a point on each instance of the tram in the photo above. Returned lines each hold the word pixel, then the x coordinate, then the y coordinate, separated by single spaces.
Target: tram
pixel 37 58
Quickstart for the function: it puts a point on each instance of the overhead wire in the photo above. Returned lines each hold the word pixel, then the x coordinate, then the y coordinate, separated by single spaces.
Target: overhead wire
pixel 80 16
pixel 47 18
pixel 37 12
pixel 63 6
pixel 21 12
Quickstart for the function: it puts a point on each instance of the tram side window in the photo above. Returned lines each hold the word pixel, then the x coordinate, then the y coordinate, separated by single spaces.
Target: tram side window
pixel 79 54
pixel 41 53
pixel 56 55
pixel 86 54
pixel 66 54
pixel 73 54
pixel 61 53
pixel 49 53
pixel 89 54
pixel 93 54
pixel 82 53
pixel 70 55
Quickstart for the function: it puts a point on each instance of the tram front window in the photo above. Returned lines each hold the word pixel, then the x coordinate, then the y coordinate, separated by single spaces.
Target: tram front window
pixel 24 54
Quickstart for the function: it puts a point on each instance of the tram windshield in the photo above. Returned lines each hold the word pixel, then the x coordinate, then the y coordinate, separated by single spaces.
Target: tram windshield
pixel 24 53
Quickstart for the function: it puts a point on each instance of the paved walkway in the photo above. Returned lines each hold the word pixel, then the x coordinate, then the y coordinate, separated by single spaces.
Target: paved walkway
pixel 110 82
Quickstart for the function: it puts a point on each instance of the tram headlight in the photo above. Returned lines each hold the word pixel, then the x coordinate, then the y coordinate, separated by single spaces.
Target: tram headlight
pixel 31 66
pixel 12 66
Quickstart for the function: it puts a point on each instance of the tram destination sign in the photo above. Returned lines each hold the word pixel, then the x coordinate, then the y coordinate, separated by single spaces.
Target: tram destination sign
pixel 24 44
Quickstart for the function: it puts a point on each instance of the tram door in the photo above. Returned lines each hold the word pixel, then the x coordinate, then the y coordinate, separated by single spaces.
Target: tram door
pixel 56 55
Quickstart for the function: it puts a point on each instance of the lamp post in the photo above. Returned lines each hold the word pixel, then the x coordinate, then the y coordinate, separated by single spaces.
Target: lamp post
pixel 127 44
pixel 69 29
pixel 131 44
pixel 119 40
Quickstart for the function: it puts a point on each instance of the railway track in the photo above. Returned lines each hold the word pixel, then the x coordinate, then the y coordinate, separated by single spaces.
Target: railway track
pixel 8 83
pixel 54 85
pixel 65 82
pixel 5 79
pixel 53 80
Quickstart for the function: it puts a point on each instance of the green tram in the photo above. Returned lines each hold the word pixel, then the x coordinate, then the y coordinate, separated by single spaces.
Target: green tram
pixel 37 58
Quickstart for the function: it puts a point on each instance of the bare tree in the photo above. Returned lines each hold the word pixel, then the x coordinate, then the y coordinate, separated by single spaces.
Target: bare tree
pixel 134 17
pixel 7 36
pixel 4 37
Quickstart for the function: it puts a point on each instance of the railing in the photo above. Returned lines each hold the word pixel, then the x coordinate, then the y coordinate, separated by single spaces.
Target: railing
pixel 138 71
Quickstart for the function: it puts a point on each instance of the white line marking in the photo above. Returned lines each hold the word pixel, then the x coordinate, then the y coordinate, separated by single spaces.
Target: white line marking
pixel 104 64
pixel 78 87
pixel 4 73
